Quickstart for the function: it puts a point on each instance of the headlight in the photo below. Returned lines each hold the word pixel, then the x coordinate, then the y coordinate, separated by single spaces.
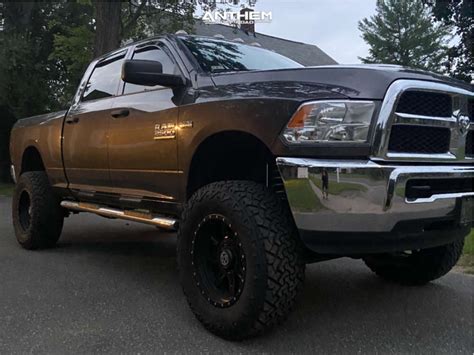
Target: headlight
pixel 330 121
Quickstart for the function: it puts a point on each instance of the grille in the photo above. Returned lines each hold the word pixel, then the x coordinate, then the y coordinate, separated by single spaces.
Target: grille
pixel 419 139
pixel 425 104
pixel 469 144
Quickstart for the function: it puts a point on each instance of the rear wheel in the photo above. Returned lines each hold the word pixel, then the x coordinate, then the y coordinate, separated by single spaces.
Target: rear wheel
pixel 37 214
pixel 238 257
pixel 416 267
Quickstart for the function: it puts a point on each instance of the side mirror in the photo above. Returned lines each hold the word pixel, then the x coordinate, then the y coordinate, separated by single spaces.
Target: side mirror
pixel 149 73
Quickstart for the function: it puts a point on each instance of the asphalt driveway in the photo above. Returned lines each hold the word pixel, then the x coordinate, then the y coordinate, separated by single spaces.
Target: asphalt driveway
pixel 112 286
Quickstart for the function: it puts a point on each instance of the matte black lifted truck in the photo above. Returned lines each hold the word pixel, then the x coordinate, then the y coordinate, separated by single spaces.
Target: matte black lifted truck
pixel 260 164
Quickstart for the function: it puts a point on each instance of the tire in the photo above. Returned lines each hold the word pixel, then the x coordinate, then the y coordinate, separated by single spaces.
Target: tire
pixel 37 215
pixel 419 267
pixel 265 259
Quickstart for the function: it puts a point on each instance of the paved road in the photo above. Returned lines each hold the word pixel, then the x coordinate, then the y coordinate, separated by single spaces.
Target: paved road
pixel 111 286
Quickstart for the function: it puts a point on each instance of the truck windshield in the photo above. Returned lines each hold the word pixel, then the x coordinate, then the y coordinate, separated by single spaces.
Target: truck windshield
pixel 218 56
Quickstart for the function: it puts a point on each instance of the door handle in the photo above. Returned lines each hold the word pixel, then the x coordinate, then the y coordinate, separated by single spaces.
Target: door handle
pixel 120 113
pixel 72 120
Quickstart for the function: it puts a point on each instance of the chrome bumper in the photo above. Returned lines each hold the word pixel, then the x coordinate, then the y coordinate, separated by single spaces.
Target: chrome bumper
pixel 363 196
pixel 12 173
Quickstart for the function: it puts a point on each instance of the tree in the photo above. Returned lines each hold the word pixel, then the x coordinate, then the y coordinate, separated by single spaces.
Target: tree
pixel 458 13
pixel 108 22
pixel 24 48
pixel 134 19
pixel 119 21
pixel 72 26
pixel 402 32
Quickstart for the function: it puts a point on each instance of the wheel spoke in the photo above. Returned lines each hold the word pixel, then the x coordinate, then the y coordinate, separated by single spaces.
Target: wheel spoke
pixel 231 282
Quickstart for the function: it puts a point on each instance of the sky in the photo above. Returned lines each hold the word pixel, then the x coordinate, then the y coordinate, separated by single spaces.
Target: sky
pixel 329 24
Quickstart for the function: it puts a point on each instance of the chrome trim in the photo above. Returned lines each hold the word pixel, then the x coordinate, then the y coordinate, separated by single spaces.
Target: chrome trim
pixel 407 118
pixel 13 173
pixel 441 197
pixel 388 117
pixel 159 221
pixel 420 156
pixel 363 196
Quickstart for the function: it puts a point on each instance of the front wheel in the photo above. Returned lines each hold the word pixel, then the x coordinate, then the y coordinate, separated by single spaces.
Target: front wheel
pixel 37 215
pixel 238 258
pixel 416 267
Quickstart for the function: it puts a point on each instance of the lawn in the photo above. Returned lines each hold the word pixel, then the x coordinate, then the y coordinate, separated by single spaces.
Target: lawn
pixel 6 189
pixel 302 197
pixel 466 263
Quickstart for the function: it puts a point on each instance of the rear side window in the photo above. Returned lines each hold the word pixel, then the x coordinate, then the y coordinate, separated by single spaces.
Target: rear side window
pixel 105 79
pixel 157 54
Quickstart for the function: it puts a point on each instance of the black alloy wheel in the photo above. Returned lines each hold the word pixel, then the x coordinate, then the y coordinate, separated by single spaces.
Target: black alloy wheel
pixel 218 260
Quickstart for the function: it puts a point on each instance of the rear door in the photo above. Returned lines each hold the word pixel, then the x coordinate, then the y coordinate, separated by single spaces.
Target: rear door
pixel 143 150
pixel 85 145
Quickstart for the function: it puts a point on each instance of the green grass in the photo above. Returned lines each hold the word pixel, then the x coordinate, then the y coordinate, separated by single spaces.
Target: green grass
pixel 467 259
pixel 336 188
pixel 301 196
pixel 6 189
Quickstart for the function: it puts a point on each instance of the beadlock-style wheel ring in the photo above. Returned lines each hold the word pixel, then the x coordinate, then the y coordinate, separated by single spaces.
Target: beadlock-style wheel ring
pixel 218 260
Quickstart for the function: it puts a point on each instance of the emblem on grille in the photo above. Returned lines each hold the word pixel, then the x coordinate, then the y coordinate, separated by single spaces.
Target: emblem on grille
pixel 463 123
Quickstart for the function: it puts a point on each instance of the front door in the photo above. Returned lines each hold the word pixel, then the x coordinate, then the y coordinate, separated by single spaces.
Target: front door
pixel 142 136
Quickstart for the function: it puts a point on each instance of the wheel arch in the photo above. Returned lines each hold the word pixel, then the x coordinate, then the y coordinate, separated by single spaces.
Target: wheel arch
pixel 229 155
pixel 31 160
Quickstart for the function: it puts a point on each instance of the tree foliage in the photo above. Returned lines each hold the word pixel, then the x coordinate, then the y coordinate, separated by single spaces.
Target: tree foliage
pixel 459 14
pixel 402 32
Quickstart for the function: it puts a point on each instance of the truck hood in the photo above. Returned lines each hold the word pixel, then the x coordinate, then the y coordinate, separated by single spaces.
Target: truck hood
pixel 355 81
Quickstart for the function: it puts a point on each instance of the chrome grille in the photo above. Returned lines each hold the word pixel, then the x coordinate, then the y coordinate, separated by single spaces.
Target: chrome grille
pixel 425 104
pixel 419 139
pixel 424 121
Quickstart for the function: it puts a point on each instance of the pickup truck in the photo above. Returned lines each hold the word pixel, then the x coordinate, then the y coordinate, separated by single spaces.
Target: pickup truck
pixel 261 165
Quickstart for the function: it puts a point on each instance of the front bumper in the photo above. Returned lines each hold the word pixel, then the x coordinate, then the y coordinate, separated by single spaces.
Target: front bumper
pixel 367 201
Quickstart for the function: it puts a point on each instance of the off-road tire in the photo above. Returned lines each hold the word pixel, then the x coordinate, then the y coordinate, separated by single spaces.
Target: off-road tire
pixel 42 226
pixel 419 267
pixel 274 272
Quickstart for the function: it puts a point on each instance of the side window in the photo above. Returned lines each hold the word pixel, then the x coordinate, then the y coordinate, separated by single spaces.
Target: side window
pixel 104 80
pixel 157 54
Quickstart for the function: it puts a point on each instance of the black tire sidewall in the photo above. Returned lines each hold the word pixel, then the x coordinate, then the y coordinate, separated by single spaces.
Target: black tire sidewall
pixel 23 236
pixel 419 269
pixel 47 218
pixel 243 313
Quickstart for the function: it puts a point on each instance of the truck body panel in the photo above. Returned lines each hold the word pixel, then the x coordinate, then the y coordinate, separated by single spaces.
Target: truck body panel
pixel 137 149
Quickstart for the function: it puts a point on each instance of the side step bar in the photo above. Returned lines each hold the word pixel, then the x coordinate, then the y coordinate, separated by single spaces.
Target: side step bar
pixel 159 221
